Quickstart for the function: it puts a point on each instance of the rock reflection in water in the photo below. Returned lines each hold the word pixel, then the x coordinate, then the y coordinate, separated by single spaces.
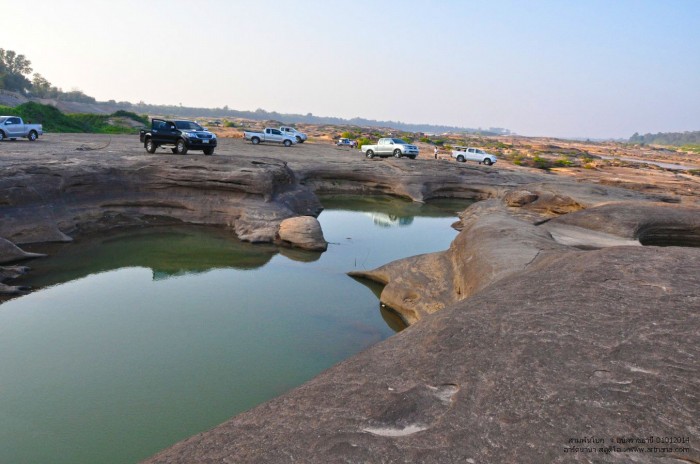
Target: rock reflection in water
pixel 168 252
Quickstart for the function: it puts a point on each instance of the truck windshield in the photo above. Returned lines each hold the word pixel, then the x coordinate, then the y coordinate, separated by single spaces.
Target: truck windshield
pixel 188 125
pixel 399 141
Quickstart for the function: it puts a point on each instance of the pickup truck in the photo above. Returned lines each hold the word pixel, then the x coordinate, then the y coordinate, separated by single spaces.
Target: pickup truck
pixel 300 136
pixel 12 127
pixel 270 135
pixel 179 135
pixel 390 147
pixel 464 154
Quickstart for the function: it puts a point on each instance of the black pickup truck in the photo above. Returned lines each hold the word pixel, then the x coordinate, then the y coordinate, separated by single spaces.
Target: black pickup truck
pixel 181 136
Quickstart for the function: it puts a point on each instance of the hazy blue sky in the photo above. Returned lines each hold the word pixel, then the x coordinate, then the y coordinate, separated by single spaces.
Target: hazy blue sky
pixel 562 68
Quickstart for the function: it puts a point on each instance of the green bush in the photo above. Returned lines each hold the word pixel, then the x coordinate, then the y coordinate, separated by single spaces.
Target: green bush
pixel 541 163
pixel 563 163
pixel 363 141
pixel 143 119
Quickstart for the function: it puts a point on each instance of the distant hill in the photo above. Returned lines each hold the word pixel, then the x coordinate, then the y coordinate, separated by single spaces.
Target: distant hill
pixel 668 138
pixel 291 118
pixel 111 106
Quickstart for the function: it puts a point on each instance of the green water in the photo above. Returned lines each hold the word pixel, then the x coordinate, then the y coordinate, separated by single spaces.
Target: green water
pixel 135 341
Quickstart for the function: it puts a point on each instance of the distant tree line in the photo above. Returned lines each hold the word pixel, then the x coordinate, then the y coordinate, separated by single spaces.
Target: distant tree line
pixel 668 138
pixel 291 118
pixel 15 70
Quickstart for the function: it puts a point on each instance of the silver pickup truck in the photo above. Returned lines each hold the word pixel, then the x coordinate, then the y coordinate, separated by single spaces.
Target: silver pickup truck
pixel 300 136
pixel 464 154
pixel 390 147
pixel 12 127
pixel 270 135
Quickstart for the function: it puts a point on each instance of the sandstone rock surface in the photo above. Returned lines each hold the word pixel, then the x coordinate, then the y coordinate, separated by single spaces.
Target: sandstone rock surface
pixel 303 232
pixel 536 330
pixel 583 344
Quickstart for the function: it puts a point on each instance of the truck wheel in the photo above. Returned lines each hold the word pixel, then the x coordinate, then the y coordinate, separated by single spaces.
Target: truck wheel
pixel 287 143
pixel 255 140
pixel 2 136
pixel 412 157
pixel 32 136
pixel 181 147
pixel 397 153
pixel 487 162
pixel 209 151
pixel 370 154
pixel 460 158
pixel 299 140
pixel 150 146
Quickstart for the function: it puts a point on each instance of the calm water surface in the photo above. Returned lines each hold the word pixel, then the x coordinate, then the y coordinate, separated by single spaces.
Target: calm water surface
pixel 138 340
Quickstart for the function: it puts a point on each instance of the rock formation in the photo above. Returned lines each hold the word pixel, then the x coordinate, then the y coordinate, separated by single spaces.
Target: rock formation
pixel 545 333
pixel 548 364
pixel 496 242
pixel 302 232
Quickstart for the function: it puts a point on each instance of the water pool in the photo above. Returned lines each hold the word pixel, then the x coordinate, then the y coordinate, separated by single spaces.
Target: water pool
pixel 134 341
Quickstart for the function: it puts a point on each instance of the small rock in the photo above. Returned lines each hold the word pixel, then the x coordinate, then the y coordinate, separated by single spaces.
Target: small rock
pixel 519 198
pixel 303 232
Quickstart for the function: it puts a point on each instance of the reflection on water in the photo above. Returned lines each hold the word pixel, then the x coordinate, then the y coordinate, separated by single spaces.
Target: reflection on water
pixel 135 341
pixel 396 207
pixel 167 251
pixel 390 220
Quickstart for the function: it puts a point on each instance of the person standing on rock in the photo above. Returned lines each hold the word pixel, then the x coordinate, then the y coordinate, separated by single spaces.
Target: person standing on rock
pixel 436 152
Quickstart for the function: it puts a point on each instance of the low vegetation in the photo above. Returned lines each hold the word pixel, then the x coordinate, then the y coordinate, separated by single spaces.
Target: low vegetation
pixel 53 120
pixel 692 148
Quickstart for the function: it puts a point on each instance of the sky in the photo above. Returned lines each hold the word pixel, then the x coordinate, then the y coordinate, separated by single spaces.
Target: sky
pixel 562 68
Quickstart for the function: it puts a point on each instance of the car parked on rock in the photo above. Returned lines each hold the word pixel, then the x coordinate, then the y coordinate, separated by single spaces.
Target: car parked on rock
pixel 13 127
pixel 464 154
pixel 179 135
pixel 390 147
pixel 270 135
pixel 300 136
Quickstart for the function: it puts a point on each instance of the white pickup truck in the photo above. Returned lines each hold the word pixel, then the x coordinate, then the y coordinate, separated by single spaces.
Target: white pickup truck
pixel 300 136
pixel 12 127
pixel 463 154
pixel 270 135
pixel 390 147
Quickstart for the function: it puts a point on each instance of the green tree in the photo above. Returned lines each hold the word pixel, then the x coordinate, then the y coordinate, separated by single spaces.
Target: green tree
pixel 14 63
pixel 13 68
pixel 40 86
